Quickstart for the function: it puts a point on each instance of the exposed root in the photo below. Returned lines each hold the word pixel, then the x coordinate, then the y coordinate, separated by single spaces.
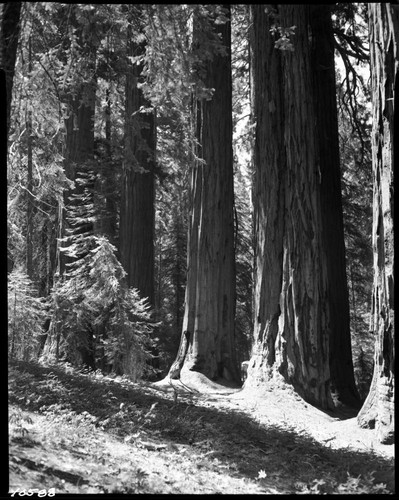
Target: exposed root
pixel 202 384
pixel 195 383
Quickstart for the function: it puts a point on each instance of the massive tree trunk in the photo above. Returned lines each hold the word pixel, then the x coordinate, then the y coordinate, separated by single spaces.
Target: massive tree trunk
pixel 137 214
pixel 291 324
pixel 378 409
pixel 10 28
pixel 343 384
pixel 269 160
pixel 207 344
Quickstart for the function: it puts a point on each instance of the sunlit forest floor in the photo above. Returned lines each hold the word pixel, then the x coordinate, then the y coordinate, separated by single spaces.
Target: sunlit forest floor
pixel 86 433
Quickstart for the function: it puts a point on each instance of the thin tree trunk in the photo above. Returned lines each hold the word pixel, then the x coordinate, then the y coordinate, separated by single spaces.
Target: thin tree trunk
pixel 179 268
pixel 109 223
pixel 105 189
pixel 14 329
pixel 29 211
pixel 378 409
pixel 354 307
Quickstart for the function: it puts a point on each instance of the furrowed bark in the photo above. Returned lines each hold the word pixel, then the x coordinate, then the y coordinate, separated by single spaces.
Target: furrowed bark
pixel 210 291
pixel 378 409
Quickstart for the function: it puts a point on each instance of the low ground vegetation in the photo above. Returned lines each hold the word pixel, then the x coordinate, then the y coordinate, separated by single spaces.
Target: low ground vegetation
pixel 84 433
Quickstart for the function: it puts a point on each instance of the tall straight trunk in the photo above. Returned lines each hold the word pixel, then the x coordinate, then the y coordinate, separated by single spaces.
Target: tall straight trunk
pixel 29 211
pixel 207 343
pixel 137 213
pixel 378 409
pixel 108 222
pixel 186 341
pixel 105 205
pixel 269 162
pixel 179 266
pixel 343 384
pixel 10 28
pixel 291 327
pixel 79 146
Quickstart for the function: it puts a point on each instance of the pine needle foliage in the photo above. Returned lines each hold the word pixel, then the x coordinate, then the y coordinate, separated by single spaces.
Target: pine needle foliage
pixel 93 298
pixel 98 319
pixel 26 315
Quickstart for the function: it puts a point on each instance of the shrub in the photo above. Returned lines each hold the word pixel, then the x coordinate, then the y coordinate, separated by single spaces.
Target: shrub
pixel 26 316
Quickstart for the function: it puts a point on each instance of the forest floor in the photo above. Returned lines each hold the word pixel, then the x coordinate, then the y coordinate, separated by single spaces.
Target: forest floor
pixel 86 433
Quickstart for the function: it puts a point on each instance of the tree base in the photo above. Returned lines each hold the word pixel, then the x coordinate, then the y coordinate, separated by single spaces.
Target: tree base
pixel 196 382
pixel 378 410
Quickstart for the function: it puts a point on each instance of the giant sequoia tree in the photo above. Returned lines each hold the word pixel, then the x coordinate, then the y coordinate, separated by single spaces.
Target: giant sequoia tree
pixel 298 282
pixel 325 105
pixel 137 202
pixel 89 79
pixel 207 342
pixel 378 409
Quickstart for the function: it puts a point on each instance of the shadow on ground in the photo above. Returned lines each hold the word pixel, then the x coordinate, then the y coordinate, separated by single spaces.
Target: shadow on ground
pixel 234 438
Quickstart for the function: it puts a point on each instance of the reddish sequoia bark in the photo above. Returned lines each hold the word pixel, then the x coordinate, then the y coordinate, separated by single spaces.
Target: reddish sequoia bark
pixel 207 344
pixel 378 409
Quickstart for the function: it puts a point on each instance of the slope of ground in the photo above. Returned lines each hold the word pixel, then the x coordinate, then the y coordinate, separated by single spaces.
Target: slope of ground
pixel 85 433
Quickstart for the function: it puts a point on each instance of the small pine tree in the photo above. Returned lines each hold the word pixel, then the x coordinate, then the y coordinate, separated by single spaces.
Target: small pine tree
pixel 26 315
pixel 100 313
